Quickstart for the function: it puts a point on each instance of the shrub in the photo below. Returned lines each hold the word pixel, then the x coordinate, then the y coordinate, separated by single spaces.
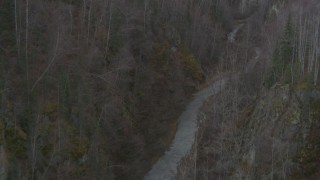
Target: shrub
pixel 79 148
pixel 50 107
pixel 191 65
pixel 16 141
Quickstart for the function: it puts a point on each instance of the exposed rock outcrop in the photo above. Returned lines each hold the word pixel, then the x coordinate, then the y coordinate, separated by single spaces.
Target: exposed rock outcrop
pixel 270 139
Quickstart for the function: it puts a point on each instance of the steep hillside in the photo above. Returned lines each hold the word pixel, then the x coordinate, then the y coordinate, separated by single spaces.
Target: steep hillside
pixel 93 89
pixel 265 124
pixel 274 137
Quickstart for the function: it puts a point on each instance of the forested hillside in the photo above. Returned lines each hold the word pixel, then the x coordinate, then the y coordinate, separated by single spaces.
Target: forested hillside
pixel 93 89
pixel 265 123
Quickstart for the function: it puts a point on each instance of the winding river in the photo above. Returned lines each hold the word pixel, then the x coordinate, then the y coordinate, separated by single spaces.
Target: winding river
pixel 166 166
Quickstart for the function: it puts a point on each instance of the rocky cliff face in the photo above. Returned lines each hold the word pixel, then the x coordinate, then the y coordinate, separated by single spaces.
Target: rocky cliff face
pixel 276 136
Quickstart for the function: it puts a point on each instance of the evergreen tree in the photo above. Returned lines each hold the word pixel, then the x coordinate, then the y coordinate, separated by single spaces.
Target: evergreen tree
pixel 287 40
pixel 282 55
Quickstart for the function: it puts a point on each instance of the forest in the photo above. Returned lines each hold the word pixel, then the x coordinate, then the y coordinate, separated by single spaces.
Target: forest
pixel 97 89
